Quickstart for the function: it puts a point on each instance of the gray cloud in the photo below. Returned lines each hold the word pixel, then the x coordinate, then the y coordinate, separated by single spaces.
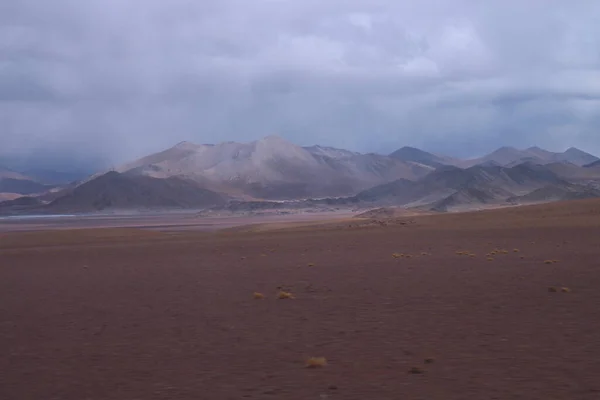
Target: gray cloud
pixel 107 80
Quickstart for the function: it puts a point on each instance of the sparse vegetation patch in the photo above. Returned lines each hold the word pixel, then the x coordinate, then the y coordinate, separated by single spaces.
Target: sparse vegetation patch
pixel 316 362
pixel 283 295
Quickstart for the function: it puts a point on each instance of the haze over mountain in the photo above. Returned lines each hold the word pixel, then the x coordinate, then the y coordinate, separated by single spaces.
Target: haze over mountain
pixel 274 168
pixel 511 156
pixel 448 186
pixel 408 153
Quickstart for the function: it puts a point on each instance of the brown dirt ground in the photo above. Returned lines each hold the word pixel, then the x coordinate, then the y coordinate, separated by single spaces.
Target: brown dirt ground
pixel 131 314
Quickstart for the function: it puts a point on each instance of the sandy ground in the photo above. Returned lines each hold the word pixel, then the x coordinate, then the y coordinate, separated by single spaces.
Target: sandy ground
pixel 133 314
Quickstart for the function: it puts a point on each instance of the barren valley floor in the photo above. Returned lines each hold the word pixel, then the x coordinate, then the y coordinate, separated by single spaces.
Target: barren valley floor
pixel 123 313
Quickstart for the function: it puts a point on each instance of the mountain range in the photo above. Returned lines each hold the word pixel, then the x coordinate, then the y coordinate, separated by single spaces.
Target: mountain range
pixel 274 171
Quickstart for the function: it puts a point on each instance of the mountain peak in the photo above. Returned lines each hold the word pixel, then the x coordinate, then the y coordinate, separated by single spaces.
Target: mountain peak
pixel 185 145
pixel 505 149
pixel 577 156
pixel 574 150
pixel 413 154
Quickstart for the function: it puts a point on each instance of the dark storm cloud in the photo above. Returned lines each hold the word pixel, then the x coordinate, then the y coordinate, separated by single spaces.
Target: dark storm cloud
pixel 114 79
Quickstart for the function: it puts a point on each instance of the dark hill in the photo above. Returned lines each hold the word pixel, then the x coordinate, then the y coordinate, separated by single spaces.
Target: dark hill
pixel 122 191
pixel 593 164
pixel 412 154
pixel 452 186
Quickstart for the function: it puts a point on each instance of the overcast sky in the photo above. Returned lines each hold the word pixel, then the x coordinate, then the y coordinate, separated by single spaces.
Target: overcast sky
pixel 109 80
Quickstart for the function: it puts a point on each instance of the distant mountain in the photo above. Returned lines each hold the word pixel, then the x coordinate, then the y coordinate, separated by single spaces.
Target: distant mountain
pixel 7 173
pixel 557 193
pixel 412 154
pixel 510 156
pixel 20 204
pixel 52 177
pixel 468 196
pixel 449 186
pixel 14 182
pixel 593 164
pixel 273 168
pixel 576 156
pixel 114 190
pixel 22 186
pixel 574 173
pixel 260 174
pixel 503 156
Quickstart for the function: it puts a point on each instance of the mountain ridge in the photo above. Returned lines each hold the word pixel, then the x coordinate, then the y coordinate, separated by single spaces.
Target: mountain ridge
pixel 274 169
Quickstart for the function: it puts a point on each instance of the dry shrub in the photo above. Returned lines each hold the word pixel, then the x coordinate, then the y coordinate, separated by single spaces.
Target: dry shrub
pixel 416 370
pixel 316 362
pixel 258 296
pixel 311 264
pixel 516 250
pixel 548 262
pixel 490 259
pixel 552 289
pixel 285 295
pixel 565 290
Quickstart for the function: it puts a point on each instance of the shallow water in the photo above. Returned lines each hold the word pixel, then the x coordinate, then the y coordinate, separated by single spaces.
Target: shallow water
pixel 18 217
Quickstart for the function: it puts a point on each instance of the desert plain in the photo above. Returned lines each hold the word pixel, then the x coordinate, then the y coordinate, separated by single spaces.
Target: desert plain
pixel 497 304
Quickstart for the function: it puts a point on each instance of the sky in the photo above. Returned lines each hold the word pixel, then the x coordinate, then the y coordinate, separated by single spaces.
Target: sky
pixel 97 82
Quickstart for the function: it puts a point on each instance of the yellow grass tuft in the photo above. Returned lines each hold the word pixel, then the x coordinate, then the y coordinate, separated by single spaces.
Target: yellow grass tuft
pixel 548 262
pixel 316 362
pixel 285 295
pixel 416 370
pixel 258 296
pixel 490 259
pixel 565 290
pixel 516 250
pixel 311 264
